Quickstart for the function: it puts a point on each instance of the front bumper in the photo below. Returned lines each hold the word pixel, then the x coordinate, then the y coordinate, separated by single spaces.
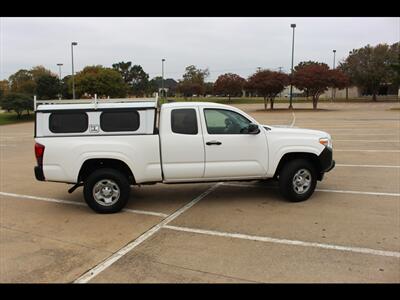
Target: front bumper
pixel 326 162
pixel 331 166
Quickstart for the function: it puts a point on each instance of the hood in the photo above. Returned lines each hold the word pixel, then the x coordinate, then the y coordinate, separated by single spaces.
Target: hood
pixel 284 129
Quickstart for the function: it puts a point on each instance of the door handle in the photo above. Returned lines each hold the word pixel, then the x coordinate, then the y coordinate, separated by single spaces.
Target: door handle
pixel 213 143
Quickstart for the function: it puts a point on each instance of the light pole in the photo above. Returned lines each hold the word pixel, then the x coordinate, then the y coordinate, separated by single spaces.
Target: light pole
pixel 280 71
pixel 333 89
pixel 291 73
pixel 73 80
pixel 162 80
pixel 59 77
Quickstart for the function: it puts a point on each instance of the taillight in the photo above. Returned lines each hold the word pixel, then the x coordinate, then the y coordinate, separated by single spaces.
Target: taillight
pixel 39 151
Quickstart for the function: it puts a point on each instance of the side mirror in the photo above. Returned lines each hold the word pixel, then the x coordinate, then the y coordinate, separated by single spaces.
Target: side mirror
pixel 253 129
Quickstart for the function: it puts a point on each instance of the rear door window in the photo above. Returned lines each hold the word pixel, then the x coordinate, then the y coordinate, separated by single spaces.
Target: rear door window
pixel 184 121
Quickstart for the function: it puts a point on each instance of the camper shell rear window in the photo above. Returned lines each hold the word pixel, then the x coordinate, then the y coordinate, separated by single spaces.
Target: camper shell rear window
pixel 123 120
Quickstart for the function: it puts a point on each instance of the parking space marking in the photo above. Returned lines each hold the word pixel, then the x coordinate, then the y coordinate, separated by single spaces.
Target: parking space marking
pixel 151 213
pixel 366 150
pixel 373 134
pixel 323 190
pixel 143 212
pixel 359 192
pixel 294 119
pixel 340 129
pixel 369 141
pixel 286 242
pixel 367 166
pixel 86 277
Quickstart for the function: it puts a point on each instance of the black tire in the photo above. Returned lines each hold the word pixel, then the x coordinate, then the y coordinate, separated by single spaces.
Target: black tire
pixel 117 180
pixel 286 177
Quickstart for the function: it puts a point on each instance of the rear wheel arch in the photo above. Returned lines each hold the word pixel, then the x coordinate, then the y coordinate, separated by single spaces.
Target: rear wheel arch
pixel 93 164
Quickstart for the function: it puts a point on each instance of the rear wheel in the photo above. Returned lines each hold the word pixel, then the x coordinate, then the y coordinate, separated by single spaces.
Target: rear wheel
pixel 106 190
pixel 297 180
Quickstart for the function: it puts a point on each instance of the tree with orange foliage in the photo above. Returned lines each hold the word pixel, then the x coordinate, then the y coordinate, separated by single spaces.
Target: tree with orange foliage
pixel 267 84
pixel 314 78
pixel 229 84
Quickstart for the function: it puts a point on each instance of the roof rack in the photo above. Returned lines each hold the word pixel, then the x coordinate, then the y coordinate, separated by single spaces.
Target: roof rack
pixel 95 101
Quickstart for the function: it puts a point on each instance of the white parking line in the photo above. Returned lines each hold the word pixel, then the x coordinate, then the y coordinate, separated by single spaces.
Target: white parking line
pixel 359 192
pixel 366 150
pixel 322 190
pixel 341 129
pixel 374 134
pixel 294 119
pixel 367 166
pixel 285 241
pixel 369 141
pixel 143 212
pixel 117 255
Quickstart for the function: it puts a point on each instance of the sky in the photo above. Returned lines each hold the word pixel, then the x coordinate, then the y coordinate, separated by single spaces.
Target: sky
pixel 223 45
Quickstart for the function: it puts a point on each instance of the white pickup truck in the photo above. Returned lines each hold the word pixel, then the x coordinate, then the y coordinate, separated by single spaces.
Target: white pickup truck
pixel 108 145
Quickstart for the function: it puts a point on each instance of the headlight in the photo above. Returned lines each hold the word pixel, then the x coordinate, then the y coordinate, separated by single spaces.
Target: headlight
pixel 327 142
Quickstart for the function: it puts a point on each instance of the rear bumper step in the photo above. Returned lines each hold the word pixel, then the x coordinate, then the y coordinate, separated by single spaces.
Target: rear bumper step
pixel 39 173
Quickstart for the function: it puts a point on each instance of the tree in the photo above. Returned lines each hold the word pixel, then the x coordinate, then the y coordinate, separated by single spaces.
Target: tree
pixel 125 69
pixel 339 79
pixel 22 82
pixel 312 77
pixel 195 75
pixel 140 81
pixel 135 77
pixel 208 88
pixel 26 82
pixel 188 88
pixel 17 102
pixel 193 81
pixel 99 80
pixel 4 88
pixel 66 87
pixel 229 84
pixel 40 71
pixel 371 67
pixel 47 87
pixel 267 84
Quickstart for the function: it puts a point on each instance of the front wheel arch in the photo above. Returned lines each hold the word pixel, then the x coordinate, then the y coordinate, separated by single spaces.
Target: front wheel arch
pixel 311 157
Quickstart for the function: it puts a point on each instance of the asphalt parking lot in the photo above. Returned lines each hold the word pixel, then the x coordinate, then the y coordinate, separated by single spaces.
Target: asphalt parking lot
pixel 348 231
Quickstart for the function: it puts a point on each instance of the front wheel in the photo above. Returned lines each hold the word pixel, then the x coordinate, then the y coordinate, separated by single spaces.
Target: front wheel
pixel 106 191
pixel 297 180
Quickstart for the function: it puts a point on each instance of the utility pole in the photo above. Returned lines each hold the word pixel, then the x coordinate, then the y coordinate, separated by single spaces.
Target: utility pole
pixel 280 71
pixel 291 72
pixel 162 81
pixel 73 79
pixel 333 89
pixel 59 77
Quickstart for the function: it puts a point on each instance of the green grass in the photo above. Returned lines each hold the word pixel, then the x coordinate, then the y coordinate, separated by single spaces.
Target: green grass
pixel 11 118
